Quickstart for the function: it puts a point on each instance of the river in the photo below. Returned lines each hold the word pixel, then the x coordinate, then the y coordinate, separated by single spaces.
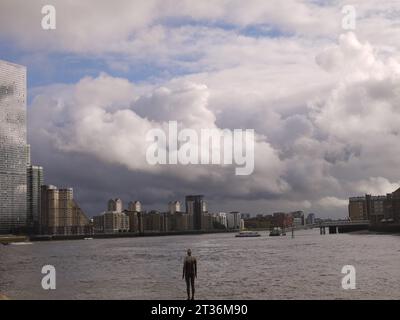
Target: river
pixel 306 267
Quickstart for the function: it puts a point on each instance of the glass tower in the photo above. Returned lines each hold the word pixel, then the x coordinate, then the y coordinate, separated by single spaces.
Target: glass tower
pixel 13 147
pixel 34 183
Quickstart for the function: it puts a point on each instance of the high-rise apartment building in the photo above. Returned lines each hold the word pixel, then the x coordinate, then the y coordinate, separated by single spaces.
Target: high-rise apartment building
pixel 115 205
pixel 174 207
pixel 60 214
pixel 34 183
pixel 135 206
pixel 233 220
pixel 195 206
pixel 13 147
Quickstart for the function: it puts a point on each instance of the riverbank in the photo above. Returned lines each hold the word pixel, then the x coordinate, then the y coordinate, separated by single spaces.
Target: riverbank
pixel 390 229
pixel 124 235
pixel 385 229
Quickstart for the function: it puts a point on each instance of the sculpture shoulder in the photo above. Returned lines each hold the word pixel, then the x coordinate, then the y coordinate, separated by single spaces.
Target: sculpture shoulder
pixel 190 259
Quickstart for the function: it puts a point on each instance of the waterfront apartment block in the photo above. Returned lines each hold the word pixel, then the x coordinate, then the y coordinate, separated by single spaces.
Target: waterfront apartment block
pixel 155 222
pixel 60 214
pixel 116 220
pixel 174 207
pixel 220 219
pixel 13 147
pixel 135 206
pixel 233 220
pixel 171 221
pixel 377 209
pixel 357 208
pixel 267 221
pixel 179 221
pixel 115 205
pixel 135 220
pixel 111 222
pixel 196 207
pixel 207 222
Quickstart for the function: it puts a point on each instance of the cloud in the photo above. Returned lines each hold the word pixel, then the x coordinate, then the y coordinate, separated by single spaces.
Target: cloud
pixel 186 103
pixel 332 202
pixel 324 106
pixel 112 127
pixel 376 186
pixel 79 25
pixel 313 154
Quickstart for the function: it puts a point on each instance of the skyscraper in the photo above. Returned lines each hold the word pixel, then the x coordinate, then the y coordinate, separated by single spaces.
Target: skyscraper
pixel 195 206
pixel 13 147
pixel 34 182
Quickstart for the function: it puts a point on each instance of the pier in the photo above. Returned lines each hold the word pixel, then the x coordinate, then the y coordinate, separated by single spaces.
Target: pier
pixel 342 226
pixel 6 239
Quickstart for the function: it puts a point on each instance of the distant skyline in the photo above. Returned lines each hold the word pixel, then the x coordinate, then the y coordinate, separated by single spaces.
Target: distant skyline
pixel 323 101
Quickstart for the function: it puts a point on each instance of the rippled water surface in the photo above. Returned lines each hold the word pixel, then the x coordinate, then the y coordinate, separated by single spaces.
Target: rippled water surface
pixel 306 267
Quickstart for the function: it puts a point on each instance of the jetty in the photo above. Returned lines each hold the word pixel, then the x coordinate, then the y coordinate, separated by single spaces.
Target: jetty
pixel 6 239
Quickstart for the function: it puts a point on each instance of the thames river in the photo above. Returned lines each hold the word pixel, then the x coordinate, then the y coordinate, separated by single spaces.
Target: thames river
pixel 306 267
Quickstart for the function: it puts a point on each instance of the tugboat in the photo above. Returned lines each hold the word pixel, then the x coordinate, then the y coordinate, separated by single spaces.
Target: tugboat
pixel 247 234
pixel 275 232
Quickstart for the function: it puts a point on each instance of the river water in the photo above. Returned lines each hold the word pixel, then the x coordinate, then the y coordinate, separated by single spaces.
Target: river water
pixel 306 267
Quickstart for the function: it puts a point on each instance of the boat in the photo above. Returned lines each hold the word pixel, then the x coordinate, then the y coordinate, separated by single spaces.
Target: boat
pixel 20 243
pixel 87 238
pixel 275 232
pixel 247 234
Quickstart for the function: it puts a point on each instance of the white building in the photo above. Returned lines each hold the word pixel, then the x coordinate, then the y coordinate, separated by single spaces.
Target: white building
pixel 233 220
pixel 135 206
pixel 174 207
pixel 115 205
pixel 241 224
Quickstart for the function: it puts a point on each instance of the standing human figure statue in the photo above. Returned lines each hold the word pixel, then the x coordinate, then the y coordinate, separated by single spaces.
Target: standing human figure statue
pixel 189 272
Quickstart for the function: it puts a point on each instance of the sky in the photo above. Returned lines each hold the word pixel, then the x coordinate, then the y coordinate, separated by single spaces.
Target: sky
pixel 322 100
